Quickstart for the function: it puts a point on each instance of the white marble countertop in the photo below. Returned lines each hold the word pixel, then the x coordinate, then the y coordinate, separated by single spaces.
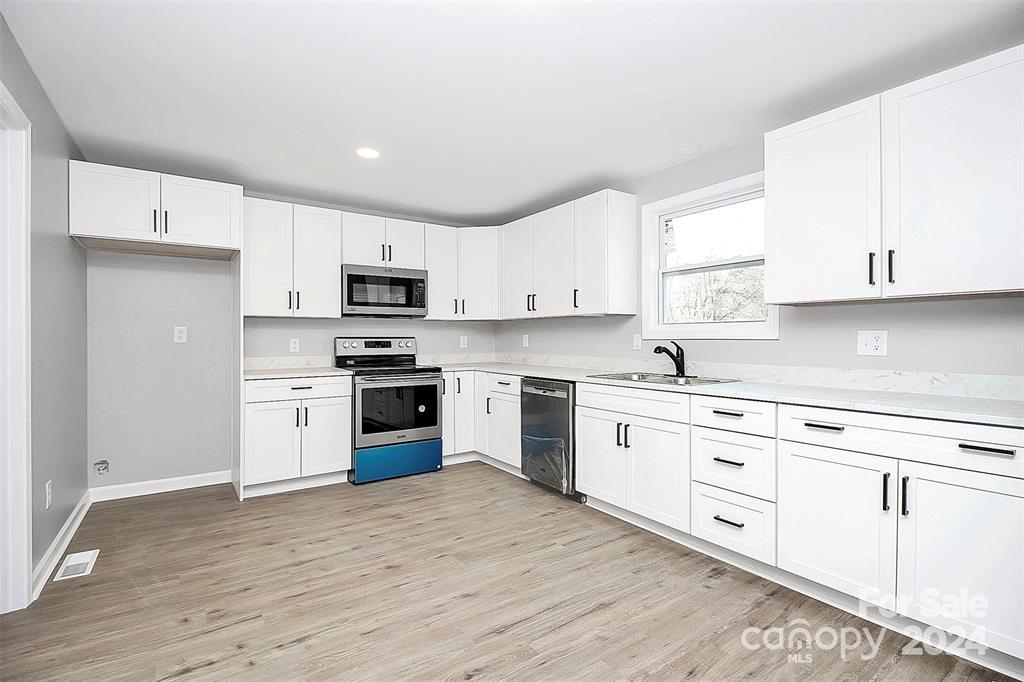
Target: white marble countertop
pixel 295 373
pixel 949 408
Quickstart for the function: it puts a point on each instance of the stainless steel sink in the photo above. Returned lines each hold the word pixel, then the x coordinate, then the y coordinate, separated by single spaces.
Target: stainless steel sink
pixel 670 379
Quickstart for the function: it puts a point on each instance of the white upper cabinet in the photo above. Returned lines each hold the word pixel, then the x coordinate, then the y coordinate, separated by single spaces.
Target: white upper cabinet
pixel 478 273
pixel 106 202
pixel 291 260
pixel 405 244
pixel 442 260
pixel 553 257
pixel 363 240
pixel 517 268
pixel 823 207
pixel 267 258
pixel 317 262
pixel 953 162
pixel 119 203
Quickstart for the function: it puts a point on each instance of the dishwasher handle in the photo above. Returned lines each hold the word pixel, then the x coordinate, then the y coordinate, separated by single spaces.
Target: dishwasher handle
pixel 553 393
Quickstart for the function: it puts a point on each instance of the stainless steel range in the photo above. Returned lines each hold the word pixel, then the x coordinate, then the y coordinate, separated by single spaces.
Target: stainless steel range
pixel 397 426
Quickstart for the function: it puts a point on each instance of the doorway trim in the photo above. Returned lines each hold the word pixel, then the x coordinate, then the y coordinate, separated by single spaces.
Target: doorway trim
pixel 15 356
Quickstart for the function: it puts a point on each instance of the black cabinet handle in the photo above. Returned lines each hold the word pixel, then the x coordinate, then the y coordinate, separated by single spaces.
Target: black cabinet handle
pixel 892 278
pixel 456 305
pixel 389 253
pixel 825 427
pixel 488 406
pixel 504 383
pixel 289 300
pixel 296 417
pixel 871 268
pixel 463 306
pixel 302 388
pixel 458 384
pixel 727 413
pixel 575 298
pixel 298 300
pixel 167 222
pixel 527 302
pixel 728 461
pixel 885 491
pixel 1006 452
pixel 444 385
pixel 625 435
pixel 904 507
pixel 382 253
pixel 618 434
pixel 306 415
pixel 734 524
pixel 155 228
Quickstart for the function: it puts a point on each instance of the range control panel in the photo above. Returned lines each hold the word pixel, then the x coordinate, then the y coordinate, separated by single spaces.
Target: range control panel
pixel 358 345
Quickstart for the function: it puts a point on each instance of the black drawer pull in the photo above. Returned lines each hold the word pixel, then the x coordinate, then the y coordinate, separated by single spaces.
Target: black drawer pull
pixel 904 506
pixel 504 383
pixel 885 491
pixel 825 427
pixel 727 413
pixel 734 524
pixel 729 462
pixel 1006 452
pixel 302 388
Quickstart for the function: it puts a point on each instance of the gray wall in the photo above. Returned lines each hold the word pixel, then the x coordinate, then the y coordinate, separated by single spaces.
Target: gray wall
pixel 976 336
pixel 58 309
pixel 158 409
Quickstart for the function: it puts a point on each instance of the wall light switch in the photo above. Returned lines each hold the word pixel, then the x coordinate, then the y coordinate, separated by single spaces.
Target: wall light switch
pixel 872 342
pixel 293 346
pixel 526 340
pixel 638 343
pixel 181 335
pixel 49 494
pixel 463 341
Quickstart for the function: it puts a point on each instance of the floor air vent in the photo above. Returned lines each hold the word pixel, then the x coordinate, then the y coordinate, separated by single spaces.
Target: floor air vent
pixel 77 564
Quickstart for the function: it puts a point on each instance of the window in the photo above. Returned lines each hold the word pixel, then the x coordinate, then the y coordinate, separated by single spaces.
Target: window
pixel 705 256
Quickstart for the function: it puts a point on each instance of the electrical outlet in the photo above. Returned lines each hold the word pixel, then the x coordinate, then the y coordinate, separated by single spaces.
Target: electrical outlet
pixel 872 342
pixel 526 340
pixel 638 343
pixel 293 346
pixel 49 494
pixel 463 341
pixel 181 335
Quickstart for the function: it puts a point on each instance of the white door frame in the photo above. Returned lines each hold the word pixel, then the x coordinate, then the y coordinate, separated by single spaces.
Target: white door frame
pixel 15 349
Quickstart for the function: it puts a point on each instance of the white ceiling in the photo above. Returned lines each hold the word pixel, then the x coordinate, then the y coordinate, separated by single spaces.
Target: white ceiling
pixel 482 112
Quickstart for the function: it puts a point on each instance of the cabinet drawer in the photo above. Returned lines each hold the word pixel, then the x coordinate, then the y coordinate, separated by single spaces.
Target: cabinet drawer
pixel 263 390
pixel 504 383
pixel 743 524
pixel 735 461
pixel 975 447
pixel 644 402
pixel 733 414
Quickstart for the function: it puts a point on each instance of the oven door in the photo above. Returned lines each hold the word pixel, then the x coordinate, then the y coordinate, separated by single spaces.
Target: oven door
pixel 389 292
pixel 397 409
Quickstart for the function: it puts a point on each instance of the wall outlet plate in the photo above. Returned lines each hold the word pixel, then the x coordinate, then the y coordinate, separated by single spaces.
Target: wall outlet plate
pixel 872 342
pixel 638 343
pixel 293 345
pixel 181 335
pixel 49 494
pixel 526 340
pixel 463 341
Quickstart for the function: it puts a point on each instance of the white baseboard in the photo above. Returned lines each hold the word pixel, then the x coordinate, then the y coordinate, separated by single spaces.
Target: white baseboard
pixel 160 485
pixel 48 563
pixel 460 458
pixel 292 484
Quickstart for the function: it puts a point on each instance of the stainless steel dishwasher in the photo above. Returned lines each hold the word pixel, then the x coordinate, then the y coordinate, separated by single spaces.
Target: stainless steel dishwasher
pixel 549 448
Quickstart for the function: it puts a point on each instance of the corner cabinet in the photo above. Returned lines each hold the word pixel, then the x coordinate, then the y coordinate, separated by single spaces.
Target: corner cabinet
pixel 918 191
pixel 134 210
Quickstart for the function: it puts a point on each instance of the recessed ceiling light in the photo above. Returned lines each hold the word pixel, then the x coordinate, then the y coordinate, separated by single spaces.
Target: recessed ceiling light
pixel 367 152
pixel 687 148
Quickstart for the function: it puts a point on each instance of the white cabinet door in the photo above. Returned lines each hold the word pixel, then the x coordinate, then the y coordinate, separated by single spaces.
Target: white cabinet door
pixel 326 435
pixel 465 411
pixel 590 243
pixel 961 554
pixel 837 514
pixel 823 207
pixel 107 201
pixel 600 456
pixel 504 428
pixel 553 258
pixel 658 470
pixel 201 212
pixel 405 244
pixel 442 259
pixel 273 441
pixel 953 154
pixel 517 283
pixel 363 241
pixel 267 258
pixel 478 273
pixel 447 413
pixel 317 259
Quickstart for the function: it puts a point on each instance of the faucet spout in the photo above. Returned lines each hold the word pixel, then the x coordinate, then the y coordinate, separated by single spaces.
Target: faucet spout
pixel 677 358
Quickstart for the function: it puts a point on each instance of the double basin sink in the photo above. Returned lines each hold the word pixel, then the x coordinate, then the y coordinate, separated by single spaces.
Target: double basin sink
pixel 669 379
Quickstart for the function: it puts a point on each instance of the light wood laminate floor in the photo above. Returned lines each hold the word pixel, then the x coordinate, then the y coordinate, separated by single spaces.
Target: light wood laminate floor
pixel 463 574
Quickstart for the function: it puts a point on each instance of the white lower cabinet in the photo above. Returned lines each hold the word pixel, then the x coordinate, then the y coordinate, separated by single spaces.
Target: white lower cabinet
pixel 326 435
pixel 637 463
pixel 273 441
pixel 961 554
pixel 458 413
pixel 837 514
pixel 447 413
pixel 738 522
pixel 504 427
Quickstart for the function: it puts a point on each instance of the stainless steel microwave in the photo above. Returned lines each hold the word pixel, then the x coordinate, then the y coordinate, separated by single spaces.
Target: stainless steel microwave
pixel 383 292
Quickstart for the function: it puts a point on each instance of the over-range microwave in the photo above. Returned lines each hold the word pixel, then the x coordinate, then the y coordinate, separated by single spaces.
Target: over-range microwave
pixel 383 292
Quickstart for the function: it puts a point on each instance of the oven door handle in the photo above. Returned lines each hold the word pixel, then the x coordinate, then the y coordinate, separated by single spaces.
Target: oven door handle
pixel 401 379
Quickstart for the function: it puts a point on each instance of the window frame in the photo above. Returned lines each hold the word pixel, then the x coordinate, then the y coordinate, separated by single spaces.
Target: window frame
pixel 652 289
